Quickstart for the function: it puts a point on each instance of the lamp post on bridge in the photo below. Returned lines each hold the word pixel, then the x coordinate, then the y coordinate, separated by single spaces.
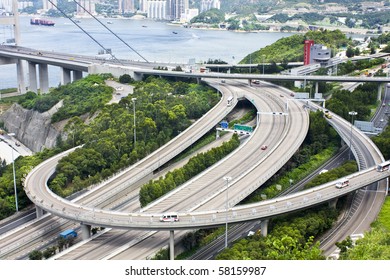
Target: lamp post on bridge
pixel 227 179
pixel 13 170
pixel 352 113
pixel 263 62
pixel 135 136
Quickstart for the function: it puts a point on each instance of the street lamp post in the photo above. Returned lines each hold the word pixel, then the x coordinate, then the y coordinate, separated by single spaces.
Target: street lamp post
pixel 13 169
pixel 135 136
pixel 352 113
pixel 250 63
pixel 227 179
pixel 263 62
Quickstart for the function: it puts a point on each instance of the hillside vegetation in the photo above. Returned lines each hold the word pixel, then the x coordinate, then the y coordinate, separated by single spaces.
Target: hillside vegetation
pixel 290 49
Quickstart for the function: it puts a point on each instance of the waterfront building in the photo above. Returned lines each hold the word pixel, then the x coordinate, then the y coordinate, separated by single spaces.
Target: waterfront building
pixel 126 6
pixel 156 9
pixel 206 5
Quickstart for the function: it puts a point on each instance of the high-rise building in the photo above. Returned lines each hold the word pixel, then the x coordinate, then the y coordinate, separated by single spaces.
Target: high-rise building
pixel 47 5
pixel 206 5
pixel 173 8
pixel 126 6
pixel 88 5
pixel 156 9
pixel 6 5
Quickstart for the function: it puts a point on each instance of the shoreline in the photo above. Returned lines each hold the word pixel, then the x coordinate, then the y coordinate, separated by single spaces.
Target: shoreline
pixel 345 30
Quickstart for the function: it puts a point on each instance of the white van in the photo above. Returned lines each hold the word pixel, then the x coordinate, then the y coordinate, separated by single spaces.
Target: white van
pixel 169 217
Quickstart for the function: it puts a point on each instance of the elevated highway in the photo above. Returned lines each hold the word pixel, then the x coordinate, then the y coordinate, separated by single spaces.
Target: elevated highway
pixel 146 220
pixel 91 65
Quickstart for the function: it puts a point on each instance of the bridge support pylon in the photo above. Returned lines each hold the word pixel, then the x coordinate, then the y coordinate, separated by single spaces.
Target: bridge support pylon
pixel 85 231
pixel 171 245
pixel 379 96
pixel 43 78
pixel 264 227
pixel 332 203
pixel 39 211
pixel 77 75
pixel 20 76
pixel 32 77
pixel 66 76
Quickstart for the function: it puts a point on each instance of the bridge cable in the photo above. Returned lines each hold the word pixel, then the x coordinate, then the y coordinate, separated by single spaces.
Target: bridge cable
pixel 89 35
pixel 112 32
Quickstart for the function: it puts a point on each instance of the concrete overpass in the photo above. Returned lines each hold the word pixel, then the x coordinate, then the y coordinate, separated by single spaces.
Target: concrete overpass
pixel 195 219
pixel 77 64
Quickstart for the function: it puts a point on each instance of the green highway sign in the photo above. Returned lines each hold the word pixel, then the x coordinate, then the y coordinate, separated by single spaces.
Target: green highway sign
pixel 243 127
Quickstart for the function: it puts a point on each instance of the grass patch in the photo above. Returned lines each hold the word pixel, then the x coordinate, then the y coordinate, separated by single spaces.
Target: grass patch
pixel 11 99
pixel 8 90
pixel 384 214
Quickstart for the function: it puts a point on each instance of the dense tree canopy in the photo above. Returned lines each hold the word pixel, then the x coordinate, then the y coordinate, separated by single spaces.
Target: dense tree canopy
pixel 163 109
pixel 291 48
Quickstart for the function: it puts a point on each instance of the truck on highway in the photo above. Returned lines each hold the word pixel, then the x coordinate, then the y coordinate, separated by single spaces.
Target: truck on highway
pixel 69 233
pixel 230 101
pixel 342 183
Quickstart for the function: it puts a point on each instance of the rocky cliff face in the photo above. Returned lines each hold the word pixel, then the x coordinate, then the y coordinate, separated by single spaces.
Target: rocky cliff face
pixel 32 128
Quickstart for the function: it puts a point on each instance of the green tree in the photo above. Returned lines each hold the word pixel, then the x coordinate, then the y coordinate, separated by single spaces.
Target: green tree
pixel 35 255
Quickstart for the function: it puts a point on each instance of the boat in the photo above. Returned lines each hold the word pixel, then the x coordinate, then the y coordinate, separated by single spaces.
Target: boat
pixel 144 26
pixel 39 21
pixel 174 32
pixel 109 22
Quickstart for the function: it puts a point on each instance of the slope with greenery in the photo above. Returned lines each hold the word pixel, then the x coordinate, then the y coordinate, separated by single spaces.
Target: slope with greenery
pixel 291 48
pixel 83 96
pixel 163 110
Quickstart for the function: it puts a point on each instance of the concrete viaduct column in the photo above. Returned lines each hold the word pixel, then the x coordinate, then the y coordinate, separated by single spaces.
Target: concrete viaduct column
pixel 316 87
pixel 332 203
pixel 66 77
pixel 264 228
pixel 32 76
pixel 43 78
pixel 20 76
pixel 77 75
pixel 379 96
pixel 172 245
pixel 39 211
pixel 85 231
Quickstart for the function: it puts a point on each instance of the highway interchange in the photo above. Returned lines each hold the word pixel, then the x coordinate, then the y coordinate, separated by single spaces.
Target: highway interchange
pixel 125 238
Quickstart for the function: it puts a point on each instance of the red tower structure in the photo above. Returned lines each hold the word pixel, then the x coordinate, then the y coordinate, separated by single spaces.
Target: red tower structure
pixel 306 52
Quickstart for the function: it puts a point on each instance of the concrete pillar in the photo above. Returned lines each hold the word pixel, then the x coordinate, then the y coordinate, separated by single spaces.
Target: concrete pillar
pixel 43 78
pixel 77 75
pixel 171 245
pixel 332 203
pixel 85 231
pixel 39 211
pixel 32 77
pixel 20 76
pixel 379 96
pixel 138 77
pixel 264 228
pixel 66 76
pixel 316 87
